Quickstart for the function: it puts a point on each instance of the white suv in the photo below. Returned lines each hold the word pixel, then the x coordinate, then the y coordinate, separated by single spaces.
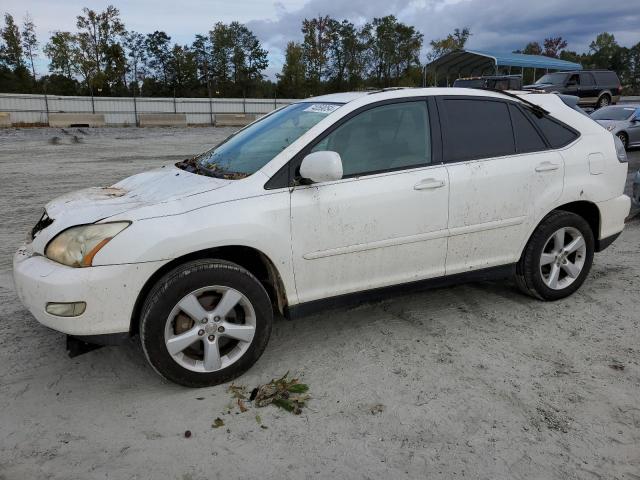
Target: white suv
pixel 325 201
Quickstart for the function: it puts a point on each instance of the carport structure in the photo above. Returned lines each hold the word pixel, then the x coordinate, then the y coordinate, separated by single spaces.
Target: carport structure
pixel 468 63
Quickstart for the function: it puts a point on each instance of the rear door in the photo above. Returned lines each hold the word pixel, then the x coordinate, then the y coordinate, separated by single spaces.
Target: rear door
pixel 502 175
pixel 588 90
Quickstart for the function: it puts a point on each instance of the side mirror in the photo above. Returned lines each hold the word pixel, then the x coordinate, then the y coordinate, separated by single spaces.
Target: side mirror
pixel 323 166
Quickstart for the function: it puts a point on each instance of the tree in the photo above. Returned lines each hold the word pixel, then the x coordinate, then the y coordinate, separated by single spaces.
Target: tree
pixel 532 48
pixel 135 48
pixel 11 52
pixel 315 49
pixel 158 53
pixel 30 41
pixel 248 58
pixel 291 81
pixel 202 50
pixel 454 41
pixel 395 48
pixel 98 38
pixel 553 46
pixel 59 50
pixel 347 59
pixel 237 58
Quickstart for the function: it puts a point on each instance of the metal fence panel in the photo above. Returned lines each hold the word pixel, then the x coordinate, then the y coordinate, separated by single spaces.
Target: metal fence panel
pixel 30 109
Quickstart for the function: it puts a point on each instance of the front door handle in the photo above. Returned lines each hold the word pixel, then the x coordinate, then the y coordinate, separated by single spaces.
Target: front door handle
pixel 547 167
pixel 429 184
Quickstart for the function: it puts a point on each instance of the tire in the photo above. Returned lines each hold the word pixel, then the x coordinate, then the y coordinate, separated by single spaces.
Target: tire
pixel 536 274
pixel 234 314
pixel 603 101
pixel 624 139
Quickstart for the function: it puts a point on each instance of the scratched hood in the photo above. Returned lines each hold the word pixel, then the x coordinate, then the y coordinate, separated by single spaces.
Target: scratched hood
pixel 149 188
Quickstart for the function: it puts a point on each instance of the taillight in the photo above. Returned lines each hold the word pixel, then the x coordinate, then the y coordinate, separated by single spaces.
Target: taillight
pixel 621 153
pixel 620 89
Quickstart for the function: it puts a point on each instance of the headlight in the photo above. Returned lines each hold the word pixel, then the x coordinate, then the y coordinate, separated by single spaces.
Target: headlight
pixel 611 128
pixel 77 246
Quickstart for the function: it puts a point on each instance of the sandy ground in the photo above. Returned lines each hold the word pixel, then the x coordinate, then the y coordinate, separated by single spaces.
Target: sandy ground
pixel 474 381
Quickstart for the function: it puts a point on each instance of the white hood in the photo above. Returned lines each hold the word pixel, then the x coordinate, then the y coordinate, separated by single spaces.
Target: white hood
pixel 149 188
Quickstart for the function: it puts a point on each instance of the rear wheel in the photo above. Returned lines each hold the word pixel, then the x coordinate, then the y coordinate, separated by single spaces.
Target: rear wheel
pixel 557 258
pixel 603 101
pixel 205 323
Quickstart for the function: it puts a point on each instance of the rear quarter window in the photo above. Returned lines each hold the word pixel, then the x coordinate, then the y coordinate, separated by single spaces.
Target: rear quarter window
pixel 557 134
pixel 606 78
pixel 527 137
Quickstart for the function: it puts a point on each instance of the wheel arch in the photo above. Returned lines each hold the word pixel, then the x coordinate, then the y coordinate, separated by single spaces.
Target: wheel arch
pixel 585 209
pixel 252 259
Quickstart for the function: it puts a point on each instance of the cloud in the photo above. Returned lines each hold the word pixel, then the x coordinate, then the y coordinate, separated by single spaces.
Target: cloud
pixel 496 25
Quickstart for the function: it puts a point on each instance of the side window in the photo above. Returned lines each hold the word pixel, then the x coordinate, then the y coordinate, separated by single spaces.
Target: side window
pixel 586 79
pixel 557 134
pixel 476 129
pixel 382 138
pixel 527 137
pixel 573 80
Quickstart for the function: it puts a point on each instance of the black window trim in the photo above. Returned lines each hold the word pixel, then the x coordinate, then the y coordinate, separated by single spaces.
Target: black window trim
pixel 287 175
pixel 443 125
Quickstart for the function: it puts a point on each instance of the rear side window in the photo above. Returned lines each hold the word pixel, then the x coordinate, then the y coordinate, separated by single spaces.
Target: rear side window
pixel 527 137
pixel 476 129
pixel 607 78
pixel 556 134
pixel 586 79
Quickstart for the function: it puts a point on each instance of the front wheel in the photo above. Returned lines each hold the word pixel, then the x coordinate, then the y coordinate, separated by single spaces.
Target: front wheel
pixel 205 323
pixel 623 138
pixel 557 258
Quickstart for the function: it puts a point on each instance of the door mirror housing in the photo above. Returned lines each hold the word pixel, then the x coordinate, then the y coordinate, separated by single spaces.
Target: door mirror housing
pixel 322 166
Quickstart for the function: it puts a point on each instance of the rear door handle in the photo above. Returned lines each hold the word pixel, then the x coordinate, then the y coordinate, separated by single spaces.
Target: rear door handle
pixel 429 184
pixel 547 167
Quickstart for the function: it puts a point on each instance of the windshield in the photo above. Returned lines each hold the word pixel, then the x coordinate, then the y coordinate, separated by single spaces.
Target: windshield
pixel 613 113
pixel 245 152
pixel 552 78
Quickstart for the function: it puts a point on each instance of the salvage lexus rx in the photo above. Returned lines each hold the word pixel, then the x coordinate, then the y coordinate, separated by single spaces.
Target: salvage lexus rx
pixel 328 200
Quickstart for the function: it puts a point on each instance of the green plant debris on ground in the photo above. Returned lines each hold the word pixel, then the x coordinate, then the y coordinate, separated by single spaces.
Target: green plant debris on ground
pixel 284 392
pixel 238 391
pixel 217 423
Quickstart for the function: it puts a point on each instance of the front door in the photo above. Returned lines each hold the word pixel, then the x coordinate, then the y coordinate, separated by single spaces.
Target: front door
pixel 385 221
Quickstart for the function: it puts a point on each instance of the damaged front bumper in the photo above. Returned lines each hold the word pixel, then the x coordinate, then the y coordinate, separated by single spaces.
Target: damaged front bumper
pixel 110 292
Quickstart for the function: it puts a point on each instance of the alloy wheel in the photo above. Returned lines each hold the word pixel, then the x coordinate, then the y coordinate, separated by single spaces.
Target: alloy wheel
pixel 563 258
pixel 210 329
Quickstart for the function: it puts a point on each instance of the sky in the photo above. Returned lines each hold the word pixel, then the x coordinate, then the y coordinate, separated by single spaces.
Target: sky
pixel 496 25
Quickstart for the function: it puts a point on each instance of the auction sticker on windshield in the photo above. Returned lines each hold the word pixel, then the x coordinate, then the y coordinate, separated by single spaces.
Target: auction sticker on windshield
pixel 325 108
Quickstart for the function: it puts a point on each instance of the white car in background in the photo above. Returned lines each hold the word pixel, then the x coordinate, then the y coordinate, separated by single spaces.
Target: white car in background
pixel 327 200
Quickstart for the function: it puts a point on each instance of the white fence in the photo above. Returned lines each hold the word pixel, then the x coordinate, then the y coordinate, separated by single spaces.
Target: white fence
pixel 35 109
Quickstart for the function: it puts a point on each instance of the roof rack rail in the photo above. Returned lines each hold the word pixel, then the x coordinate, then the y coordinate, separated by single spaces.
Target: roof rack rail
pixel 387 89
pixel 535 108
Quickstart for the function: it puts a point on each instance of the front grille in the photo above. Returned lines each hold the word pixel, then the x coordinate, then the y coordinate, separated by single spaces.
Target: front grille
pixel 43 223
